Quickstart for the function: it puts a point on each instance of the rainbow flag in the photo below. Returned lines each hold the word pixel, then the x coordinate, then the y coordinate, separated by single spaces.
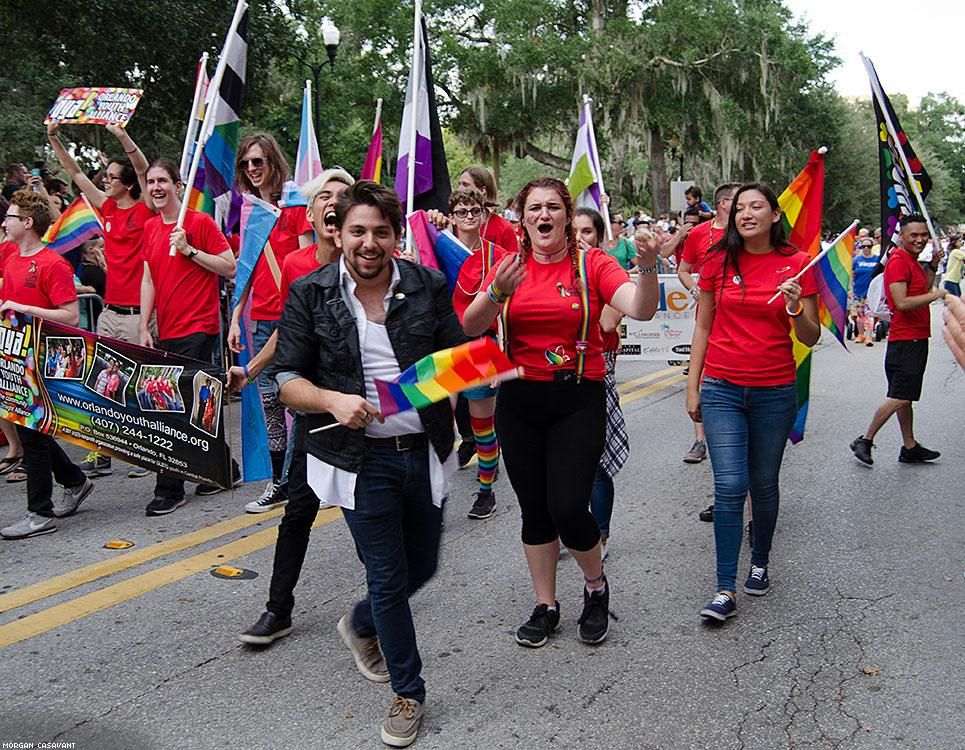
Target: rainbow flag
pixel 443 374
pixel 833 277
pixel 78 223
pixel 802 207
pixel 372 169
pixel 437 249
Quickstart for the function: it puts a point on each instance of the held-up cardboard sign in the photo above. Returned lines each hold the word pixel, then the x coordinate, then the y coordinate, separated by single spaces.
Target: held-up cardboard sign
pixel 99 105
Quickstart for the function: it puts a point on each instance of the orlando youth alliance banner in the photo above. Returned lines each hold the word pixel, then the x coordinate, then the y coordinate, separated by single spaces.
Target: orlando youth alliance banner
pixel 668 335
pixel 143 406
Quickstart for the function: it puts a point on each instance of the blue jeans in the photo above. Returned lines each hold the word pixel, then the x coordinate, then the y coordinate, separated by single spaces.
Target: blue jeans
pixel 747 429
pixel 601 501
pixel 261 331
pixel 396 529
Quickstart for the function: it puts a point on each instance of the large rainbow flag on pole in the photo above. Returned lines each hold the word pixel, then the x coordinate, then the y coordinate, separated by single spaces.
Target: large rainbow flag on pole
pixel 77 224
pixel 802 207
pixel 443 374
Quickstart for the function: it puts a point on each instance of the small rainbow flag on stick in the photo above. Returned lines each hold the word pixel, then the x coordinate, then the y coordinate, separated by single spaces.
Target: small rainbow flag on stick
pixel 833 277
pixel 440 375
pixel 77 224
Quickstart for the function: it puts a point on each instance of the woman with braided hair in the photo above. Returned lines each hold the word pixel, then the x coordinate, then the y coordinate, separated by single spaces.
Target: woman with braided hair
pixel 551 421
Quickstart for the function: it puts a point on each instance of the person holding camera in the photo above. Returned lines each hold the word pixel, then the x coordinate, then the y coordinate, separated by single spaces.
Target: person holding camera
pixel 552 420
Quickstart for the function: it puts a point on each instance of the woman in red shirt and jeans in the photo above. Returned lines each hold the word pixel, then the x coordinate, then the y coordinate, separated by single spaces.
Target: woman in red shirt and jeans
pixel 551 421
pixel 742 377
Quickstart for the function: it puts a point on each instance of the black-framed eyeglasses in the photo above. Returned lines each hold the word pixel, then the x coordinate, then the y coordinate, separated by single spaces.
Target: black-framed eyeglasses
pixel 14 216
pixel 462 213
pixel 256 162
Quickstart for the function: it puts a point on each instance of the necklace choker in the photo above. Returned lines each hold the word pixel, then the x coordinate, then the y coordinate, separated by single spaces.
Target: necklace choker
pixel 548 257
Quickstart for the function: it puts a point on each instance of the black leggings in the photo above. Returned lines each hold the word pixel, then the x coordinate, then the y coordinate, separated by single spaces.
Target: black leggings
pixel 551 436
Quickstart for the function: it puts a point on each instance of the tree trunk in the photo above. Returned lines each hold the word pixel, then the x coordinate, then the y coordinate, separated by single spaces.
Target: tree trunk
pixel 545 157
pixel 659 186
pixel 496 157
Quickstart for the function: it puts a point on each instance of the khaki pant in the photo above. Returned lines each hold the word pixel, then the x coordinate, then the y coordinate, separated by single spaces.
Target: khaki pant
pixel 123 327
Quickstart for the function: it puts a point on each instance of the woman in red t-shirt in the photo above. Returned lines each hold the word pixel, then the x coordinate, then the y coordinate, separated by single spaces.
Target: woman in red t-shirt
pixel 494 227
pixel 261 170
pixel 183 289
pixel 551 422
pixel 742 377
pixel 589 228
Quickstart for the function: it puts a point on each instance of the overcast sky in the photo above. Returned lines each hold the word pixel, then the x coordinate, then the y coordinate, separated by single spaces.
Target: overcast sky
pixel 917 47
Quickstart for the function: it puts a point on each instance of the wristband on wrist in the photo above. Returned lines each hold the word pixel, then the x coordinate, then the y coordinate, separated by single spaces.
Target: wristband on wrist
pixel 796 313
pixel 648 269
pixel 130 150
pixel 495 296
pixel 248 377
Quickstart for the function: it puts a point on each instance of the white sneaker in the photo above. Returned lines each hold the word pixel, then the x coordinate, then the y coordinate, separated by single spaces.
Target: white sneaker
pixel 604 550
pixel 274 496
pixel 72 498
pixel 32 524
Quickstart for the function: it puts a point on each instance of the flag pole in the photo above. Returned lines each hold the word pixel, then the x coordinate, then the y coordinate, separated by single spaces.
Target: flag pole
pixel 193 121
pixel 595 156
pixel 892 131
pixel 817 258
pixel 417 43
pixel 207 126
pixel 311 124
pixel 378 114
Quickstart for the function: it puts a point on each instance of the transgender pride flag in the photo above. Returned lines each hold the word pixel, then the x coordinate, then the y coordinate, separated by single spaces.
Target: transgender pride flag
pixel 308 163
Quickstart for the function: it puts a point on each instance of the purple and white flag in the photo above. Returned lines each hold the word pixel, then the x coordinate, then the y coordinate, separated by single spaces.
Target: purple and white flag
pixel 417 99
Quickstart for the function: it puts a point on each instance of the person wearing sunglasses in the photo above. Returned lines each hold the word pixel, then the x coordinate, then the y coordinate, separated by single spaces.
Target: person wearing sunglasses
pixel 466 209
pixel 261 170
pixel 862 271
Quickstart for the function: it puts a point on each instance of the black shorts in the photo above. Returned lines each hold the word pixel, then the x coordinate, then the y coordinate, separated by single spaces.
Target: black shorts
pixel 905 367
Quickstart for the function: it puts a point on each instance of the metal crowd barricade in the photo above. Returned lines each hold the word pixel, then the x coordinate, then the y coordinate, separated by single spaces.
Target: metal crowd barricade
pixel 91 306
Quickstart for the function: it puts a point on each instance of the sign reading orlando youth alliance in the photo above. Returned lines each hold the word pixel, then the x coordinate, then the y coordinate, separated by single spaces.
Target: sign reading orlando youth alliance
pixel 668 335
pixel 143 406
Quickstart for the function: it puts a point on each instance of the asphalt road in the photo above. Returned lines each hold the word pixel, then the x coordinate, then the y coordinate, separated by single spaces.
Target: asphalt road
pixel 859 644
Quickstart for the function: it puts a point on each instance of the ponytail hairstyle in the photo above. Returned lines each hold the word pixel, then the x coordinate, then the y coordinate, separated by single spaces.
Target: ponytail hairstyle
pixel 128 176
pixel 526 245
pixel 276 167
pixel 732 244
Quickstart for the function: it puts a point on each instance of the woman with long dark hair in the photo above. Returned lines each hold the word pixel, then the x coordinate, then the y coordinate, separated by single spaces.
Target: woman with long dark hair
pixel 742 378
pixel 261 169
pixel 551 421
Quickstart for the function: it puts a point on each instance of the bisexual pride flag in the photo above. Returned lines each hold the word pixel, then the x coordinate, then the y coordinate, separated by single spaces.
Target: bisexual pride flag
pixel 443 374
pixel 437 249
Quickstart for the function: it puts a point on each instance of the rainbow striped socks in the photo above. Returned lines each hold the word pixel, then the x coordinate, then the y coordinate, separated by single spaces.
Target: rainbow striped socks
pixel 487 449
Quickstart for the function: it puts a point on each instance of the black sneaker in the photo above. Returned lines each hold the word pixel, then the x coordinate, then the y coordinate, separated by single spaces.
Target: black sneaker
pixel 269 628
pixel 484 506
pixel 213 489
pixel 161 506
pixel 707 514
pixel 757 583
pixel 595 620
pixel 861 447
pixel 465 452
pixel 917 455
pixel 537 629
pixel 96 465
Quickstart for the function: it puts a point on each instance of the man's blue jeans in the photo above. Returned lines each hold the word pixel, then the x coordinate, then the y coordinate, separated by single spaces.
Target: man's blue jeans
pixel 747 429
pixel 396 529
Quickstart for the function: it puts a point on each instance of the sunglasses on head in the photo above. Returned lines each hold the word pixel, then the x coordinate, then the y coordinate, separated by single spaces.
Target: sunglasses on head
pixel 257 163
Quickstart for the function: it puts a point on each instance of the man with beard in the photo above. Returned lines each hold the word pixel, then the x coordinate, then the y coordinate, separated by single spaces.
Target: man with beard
pixel 908 288
pixel 367 316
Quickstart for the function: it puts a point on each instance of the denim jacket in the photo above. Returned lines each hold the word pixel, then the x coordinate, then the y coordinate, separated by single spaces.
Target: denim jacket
pixel 318 340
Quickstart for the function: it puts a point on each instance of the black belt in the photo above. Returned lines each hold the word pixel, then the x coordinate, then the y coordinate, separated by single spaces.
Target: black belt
pixel 122 310
pixel 400 443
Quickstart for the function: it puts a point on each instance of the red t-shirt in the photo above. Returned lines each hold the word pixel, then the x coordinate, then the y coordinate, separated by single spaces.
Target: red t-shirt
pixel 750 342
pixel 265 298
pixel 299 263
pixel 185 294
pixel 123 233
pixel 907 324
pixel 500 231
pixel 43 280
pixel 471 275
pixel 7 249
pixel 701 238
pixel 543 324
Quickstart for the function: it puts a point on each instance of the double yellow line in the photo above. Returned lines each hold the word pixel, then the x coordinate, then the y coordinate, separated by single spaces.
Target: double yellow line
pixel 87 604
pixel 117 593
